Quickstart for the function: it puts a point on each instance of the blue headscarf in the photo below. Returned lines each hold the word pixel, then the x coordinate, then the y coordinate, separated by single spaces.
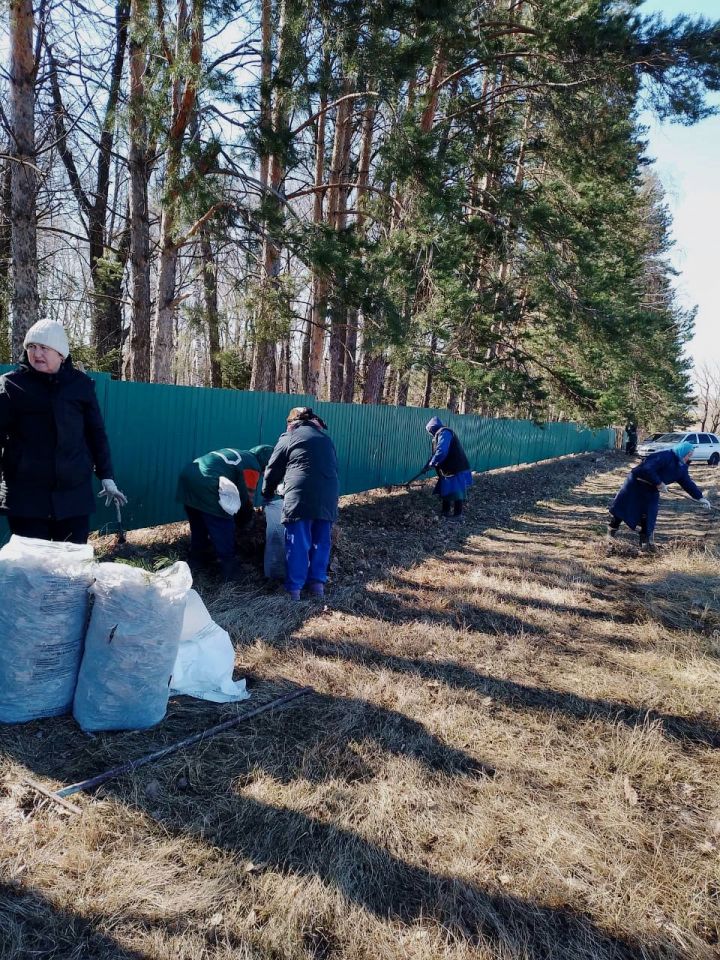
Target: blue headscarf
pixel 433 425
pixel 683 449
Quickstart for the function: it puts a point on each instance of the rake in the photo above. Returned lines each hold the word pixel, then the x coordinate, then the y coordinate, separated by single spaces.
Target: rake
pixel 60 796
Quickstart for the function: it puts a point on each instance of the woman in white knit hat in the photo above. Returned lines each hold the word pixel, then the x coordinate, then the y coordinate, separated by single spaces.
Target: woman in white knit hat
pixel 52 438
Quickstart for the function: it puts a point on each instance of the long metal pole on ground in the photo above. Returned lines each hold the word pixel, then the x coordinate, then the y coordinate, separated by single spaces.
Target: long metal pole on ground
pixel 131 765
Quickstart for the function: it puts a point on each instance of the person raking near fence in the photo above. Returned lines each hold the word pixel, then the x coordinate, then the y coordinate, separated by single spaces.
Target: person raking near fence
pixel 52 438
pixel 218 493
pixel 453 469
pixel 638 500
pixel 305 462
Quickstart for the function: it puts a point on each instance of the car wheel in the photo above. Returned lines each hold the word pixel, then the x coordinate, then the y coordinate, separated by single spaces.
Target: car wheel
pixel 714 460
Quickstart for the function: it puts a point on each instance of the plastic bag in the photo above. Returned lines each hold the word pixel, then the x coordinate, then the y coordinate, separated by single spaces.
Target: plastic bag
pixel 131 646
pixel 196 616
pixel 274 541
pixel 43 614
pixel 206 658
pixel 228 496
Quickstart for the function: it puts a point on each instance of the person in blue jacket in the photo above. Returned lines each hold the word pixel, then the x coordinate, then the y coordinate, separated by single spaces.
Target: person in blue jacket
pixel 638 500
pixel 305 462
pixel 453 469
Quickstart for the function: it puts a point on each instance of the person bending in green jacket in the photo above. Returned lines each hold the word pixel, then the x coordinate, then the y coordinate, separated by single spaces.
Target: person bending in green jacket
pixel 218 490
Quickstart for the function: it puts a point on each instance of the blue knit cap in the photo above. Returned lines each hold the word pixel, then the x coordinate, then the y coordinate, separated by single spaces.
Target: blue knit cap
pixel 432 426
pixel 683 449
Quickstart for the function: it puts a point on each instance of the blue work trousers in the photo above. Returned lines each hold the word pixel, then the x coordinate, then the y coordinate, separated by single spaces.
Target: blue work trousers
pixel 206 529
pixel 307 552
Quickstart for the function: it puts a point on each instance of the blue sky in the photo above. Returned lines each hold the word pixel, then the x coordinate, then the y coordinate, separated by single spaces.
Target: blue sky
pixel 688 163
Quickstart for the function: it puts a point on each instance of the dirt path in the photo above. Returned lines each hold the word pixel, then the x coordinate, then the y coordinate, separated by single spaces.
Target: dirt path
pixel 512 752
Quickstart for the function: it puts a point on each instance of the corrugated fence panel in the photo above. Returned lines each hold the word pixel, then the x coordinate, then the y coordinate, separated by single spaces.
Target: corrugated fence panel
pixel 155 430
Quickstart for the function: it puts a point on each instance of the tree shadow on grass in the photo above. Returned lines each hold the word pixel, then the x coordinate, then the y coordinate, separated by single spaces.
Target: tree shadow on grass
pixel 404 590
pixel 220 812
pixel 220 809
pixel 517 696
pixel 31 927
pixel 279 839
pixel 329 725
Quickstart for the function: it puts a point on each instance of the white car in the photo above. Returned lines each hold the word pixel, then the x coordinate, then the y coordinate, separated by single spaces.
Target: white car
pixel 707 446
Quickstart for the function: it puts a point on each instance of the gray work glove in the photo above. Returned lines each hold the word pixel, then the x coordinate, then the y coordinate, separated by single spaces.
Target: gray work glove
pixel 704 502
pixel 662 488
pixel 112 494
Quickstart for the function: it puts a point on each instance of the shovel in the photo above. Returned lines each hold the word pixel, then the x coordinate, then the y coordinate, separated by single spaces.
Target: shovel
pixel 120 530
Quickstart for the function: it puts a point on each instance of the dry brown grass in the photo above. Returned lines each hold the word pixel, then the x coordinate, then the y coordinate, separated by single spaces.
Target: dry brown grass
pixel 511 752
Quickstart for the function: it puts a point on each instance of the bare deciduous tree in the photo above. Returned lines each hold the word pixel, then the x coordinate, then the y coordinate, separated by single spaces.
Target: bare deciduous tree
pixel 23 71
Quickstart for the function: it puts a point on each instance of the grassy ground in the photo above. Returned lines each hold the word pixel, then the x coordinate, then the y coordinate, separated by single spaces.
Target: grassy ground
pixel 511 751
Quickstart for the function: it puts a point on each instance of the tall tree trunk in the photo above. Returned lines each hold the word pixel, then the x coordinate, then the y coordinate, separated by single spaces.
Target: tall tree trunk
pixel 402 386
pixel 391 379
pixel 23 68
pixel 500 305
pixel 186 62
pixel 375 368
pixel 305 347
pixel 337 219
pixel 265 91
pixel 107 270
pixel 431 91
pixel 427 397
pixel 5 258
pixel 110 289
pixel 138 367
pixel 366 139
pixel 210 291
pixel 263 366
pixel 104 266
pixel 316 331
pixel 265 355
pixel 469 400
pixel 350 356
pixel 285 367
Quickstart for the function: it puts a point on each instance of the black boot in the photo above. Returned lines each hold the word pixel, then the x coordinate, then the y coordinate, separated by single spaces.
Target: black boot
pixel 230 570
pixel 647 543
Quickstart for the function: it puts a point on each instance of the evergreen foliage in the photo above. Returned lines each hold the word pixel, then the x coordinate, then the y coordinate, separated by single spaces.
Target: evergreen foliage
pixel 455 195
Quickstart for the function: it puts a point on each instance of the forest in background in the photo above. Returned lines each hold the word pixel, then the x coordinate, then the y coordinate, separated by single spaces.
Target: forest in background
pixel 378 201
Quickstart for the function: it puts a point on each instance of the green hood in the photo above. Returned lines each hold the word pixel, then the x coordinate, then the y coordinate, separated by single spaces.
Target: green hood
pixel 262 453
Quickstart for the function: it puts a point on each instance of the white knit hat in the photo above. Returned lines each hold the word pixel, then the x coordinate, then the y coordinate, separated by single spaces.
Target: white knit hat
pixel 48 333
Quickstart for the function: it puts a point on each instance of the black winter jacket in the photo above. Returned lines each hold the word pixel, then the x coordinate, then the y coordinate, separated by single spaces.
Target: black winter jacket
pixel 456 460
pixel 52 435
pixel 305 459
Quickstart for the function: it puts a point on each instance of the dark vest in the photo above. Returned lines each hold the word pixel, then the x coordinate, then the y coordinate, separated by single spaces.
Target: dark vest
pixel 456 461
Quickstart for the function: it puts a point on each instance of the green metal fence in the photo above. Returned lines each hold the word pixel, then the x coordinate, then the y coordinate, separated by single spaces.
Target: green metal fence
pixel 156 429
